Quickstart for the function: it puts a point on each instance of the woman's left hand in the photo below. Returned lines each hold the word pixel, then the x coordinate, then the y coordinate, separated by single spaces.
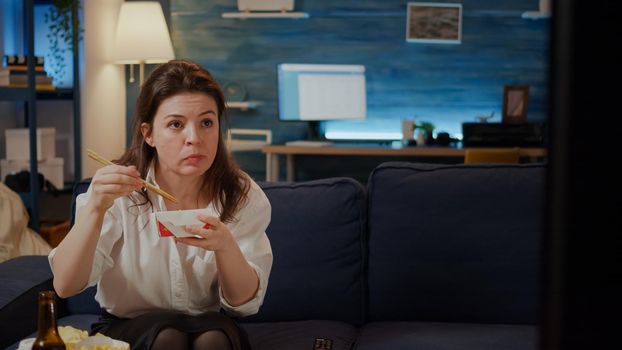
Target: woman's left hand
pixel 215 235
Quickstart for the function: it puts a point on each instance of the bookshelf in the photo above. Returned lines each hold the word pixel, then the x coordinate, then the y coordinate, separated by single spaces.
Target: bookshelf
pixel 29 95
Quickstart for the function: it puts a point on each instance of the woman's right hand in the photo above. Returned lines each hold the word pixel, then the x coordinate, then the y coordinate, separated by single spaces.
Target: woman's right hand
pixel 112 182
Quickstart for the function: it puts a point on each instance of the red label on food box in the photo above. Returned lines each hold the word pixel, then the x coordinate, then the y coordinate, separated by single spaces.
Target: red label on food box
pixel 164 232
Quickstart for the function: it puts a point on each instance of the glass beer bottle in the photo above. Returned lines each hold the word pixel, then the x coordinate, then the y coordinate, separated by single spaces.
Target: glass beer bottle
pixel 48 337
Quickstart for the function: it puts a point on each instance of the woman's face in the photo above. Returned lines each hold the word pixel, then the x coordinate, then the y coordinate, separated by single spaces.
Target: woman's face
pixel 185 133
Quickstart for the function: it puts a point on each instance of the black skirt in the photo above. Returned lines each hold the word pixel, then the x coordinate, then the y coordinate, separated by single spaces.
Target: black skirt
pixel 141 331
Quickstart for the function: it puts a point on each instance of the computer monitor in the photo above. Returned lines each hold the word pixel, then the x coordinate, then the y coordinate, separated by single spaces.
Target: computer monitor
pixel 316 92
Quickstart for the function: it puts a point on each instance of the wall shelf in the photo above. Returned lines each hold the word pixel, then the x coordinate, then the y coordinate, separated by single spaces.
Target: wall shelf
pixel 243 105
pixel 8 93
pixel 535 15
pixel 13 94
pixel 56 94
pixel 248 14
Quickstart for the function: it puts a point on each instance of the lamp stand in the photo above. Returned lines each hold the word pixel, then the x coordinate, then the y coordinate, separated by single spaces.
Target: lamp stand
pixel 141 73
pixel 132 73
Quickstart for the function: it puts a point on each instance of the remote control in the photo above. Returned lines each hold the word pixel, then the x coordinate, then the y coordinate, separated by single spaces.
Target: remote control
pixel 322 344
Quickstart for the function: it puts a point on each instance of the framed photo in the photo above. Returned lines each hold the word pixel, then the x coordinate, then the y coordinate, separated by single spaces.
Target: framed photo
pixel 431 22
pixel 515 102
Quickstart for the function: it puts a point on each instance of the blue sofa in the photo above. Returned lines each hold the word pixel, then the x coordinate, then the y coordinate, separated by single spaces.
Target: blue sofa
pixel 425 257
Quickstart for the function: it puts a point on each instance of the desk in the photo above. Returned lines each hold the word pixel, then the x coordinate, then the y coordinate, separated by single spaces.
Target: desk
pixel 273 152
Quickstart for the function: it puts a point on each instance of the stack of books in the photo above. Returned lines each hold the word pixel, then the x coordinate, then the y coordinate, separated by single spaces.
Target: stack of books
pixel 15 73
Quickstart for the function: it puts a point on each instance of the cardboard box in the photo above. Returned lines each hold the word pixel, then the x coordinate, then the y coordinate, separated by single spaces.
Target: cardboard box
pixel 18 143
pixel 52 169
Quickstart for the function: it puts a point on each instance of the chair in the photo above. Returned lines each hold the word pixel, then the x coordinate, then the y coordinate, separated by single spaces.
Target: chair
pixel 245 144
pixel 487 155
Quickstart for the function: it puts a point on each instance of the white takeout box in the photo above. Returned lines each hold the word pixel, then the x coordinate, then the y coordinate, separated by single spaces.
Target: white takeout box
pixel 172 223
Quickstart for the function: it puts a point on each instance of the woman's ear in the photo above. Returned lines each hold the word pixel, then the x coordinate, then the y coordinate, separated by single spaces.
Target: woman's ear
pixel 145 129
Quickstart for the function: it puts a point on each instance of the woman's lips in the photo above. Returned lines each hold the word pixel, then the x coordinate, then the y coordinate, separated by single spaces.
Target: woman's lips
pixel 195 158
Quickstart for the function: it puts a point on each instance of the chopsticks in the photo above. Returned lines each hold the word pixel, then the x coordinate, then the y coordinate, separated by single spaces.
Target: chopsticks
pixel 93 155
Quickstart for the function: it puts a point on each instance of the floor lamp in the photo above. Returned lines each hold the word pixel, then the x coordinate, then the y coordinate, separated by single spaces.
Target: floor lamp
pixel 142 36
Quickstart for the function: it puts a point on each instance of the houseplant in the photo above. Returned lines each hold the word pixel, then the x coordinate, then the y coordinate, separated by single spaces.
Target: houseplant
pixel 61 19
pixel 425 135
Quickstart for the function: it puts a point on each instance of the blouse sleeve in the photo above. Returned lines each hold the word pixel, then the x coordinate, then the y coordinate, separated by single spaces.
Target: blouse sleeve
pixel 250 233
pixel 111 232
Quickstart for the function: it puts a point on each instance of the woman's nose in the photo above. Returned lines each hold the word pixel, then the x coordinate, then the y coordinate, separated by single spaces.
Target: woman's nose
pixel 192 136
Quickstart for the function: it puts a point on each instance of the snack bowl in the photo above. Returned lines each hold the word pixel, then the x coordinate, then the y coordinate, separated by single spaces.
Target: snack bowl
pixel 95 342
pixel 26 344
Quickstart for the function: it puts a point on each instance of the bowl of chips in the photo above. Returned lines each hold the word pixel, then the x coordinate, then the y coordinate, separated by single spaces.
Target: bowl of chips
pixel 100 342
pixel 71 335
pixel 77 339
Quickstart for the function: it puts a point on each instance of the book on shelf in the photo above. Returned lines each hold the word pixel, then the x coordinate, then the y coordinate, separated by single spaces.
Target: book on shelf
pixel 10 79
pixel 22 60
pixel 20 68
pixel 38 87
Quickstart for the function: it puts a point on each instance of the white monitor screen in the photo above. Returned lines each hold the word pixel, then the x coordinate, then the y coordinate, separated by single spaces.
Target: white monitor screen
pixel 321 92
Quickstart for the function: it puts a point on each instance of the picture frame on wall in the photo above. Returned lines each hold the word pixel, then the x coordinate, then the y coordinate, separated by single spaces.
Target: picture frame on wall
pixel 435 23
pixel 515 103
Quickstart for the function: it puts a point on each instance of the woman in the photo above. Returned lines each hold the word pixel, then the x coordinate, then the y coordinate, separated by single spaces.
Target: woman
pixel 165 293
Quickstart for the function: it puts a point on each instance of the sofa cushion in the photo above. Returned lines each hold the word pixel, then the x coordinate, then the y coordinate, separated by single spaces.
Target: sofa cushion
pixel 22 279
pixel 446 336
pixel 455 243
pixel 83 303
pixel 300 334
pixel 317 242
pixel 78 188
pixel 82 322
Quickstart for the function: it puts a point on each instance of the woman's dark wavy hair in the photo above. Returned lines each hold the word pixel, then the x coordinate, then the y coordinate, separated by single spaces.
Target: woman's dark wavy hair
pixel 229 185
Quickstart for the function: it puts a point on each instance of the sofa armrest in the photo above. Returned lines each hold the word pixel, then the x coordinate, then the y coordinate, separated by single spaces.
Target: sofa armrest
pixel 21 280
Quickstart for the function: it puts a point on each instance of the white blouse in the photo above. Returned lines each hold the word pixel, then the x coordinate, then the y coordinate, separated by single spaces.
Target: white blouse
pixel 137 271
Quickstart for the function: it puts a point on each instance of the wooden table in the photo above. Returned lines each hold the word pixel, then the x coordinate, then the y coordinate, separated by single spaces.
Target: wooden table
pixel 273 152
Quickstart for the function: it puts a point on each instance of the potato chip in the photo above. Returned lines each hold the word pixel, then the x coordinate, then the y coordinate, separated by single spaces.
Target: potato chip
pixel 71 335
pixel 75 339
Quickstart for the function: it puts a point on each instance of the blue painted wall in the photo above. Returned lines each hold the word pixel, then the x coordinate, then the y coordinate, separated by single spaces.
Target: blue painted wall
pixel 441 83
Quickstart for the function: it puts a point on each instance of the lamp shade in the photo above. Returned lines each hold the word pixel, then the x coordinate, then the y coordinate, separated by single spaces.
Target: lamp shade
pixel 142 34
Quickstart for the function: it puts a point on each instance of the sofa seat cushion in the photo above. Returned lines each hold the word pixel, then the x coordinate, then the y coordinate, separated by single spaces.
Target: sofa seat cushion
pixel 300 334
pixel 446 336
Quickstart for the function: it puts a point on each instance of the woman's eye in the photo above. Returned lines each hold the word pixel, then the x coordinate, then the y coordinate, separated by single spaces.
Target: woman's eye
pixel 175 124
pixel 207 123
